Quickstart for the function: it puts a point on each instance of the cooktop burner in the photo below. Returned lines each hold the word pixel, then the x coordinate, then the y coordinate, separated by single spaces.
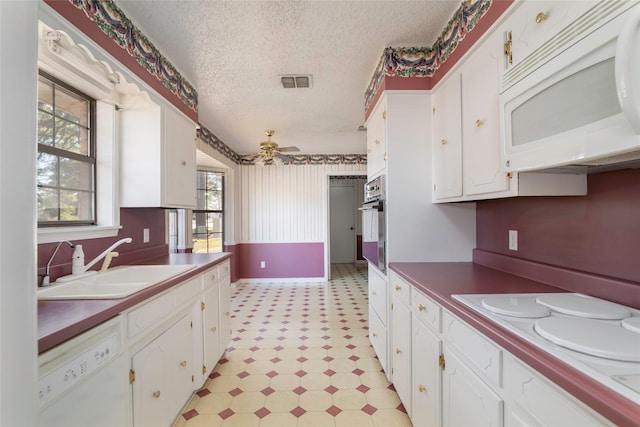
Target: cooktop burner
pixel 598 337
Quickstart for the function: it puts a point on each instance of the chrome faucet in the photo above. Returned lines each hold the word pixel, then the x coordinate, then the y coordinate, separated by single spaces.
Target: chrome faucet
pixel 46 278
pixel 77 263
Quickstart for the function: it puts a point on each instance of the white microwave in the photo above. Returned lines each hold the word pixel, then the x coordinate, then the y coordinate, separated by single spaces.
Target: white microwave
pixel 575 100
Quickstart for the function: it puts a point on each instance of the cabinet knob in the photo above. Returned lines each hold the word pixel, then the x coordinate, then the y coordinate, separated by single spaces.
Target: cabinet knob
pixel 398 288
pixel 183 163
pixel 212 277
pixel 422 388
pixel 443 142
pixel 373 293
pixel 384 115
pixel 421 307
pixel 214 329
pixel 377 141
pixel 183 363
pixel 479 123
pixel 375 335
pixel 226 313
pixel 398 351
pixel 156 394
pixel 368 150
pixel 541 17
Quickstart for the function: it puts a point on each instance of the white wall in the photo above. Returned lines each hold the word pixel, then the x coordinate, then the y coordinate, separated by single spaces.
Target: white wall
pixel 284 203
pixel 18 336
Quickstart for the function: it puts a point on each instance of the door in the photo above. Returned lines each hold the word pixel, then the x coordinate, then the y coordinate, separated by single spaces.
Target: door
pixel 342 212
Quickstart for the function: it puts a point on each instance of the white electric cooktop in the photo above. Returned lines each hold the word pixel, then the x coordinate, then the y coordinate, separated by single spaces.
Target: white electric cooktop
pixel 598 337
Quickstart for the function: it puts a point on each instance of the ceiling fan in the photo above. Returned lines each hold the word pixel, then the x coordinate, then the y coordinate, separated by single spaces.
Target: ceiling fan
pixel 269 151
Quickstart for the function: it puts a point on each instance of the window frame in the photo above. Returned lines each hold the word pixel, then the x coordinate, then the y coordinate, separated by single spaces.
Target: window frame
pixel 221 211
pixel 91 158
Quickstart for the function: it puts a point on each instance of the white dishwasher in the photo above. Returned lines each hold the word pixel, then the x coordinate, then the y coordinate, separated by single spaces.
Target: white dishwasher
pixel 83 382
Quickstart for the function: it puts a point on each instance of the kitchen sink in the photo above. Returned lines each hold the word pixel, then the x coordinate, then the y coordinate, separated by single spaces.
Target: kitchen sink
pixel 117 282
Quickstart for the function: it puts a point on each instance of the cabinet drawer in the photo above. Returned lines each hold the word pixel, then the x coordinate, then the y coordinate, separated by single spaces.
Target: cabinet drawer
pixel 378 295
pixel 149 315
pixel 188 292
pixel 484 357
pixel 400 289
pixel 210 277
pixel 224 269
pixel 425 310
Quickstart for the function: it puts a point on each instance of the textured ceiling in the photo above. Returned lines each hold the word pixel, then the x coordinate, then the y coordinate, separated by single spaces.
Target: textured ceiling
pixel 233 52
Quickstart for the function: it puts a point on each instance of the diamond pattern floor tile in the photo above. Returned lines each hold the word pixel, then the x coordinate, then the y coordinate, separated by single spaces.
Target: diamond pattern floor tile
pixel 300 356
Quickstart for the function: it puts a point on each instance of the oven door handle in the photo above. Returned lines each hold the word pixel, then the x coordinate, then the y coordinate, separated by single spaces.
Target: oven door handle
pixel 377 205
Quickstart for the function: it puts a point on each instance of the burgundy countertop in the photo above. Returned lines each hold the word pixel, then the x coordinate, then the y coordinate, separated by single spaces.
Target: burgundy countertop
pixel 441 280
pixel 61 320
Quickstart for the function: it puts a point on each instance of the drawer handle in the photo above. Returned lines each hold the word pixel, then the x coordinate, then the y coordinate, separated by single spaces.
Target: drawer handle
pixel 214 329
pixel 373 293
pixel 183 363
pixel 421 307
pixel 398 288
pixel 443 142
pixel 422 388
pixel 479 123
pixel 398 351
pixel 541 17
pixel 507 48
pixel 156 394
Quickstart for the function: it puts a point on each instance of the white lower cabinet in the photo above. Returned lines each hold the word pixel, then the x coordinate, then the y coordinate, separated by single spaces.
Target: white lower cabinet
pixel 466 399
pixel 175 340
pixel 163 378
pixel 426 348
pixel 401 351
pixel 458 377
pixel 378 325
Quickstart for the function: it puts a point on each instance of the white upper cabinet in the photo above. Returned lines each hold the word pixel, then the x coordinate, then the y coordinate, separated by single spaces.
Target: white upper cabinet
pixel 158 152
pixel 377 139
pixel 447 139
pixel 481 120
pixel 535 22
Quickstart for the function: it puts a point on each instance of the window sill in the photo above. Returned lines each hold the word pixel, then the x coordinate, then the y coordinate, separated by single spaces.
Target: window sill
pixel 55 234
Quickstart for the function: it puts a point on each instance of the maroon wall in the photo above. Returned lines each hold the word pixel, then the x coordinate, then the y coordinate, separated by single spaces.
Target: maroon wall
pixel 283 260
pixel 133 222
pixel 598 233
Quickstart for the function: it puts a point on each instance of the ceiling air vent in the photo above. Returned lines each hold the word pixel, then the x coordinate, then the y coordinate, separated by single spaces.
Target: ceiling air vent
pixel 295 81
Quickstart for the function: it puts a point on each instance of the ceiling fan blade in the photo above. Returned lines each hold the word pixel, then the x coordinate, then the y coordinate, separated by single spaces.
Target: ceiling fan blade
pixel 284 158
pixel 250 156
pixel 288 149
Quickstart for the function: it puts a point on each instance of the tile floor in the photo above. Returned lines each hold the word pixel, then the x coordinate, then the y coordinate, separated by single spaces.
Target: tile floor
pixel 299 356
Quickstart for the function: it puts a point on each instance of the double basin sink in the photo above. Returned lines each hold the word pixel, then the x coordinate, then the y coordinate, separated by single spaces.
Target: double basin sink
pixel 117 282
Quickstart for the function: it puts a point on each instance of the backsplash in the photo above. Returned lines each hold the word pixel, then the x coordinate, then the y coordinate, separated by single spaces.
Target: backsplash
pixel 598 233
pixel 133 221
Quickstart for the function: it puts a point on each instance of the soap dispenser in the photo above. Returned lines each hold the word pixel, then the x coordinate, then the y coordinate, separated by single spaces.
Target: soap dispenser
pixel 77 260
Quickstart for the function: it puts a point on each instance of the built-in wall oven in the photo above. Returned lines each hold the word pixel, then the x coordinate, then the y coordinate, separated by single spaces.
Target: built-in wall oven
pixel 373 223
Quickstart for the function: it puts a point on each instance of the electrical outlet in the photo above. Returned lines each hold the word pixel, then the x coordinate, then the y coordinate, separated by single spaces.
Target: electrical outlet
pixel 263 264
pixel 513 240
pixel 145 235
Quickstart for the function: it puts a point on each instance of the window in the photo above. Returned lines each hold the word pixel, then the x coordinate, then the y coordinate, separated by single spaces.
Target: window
pixel 208 217
pixel 66 193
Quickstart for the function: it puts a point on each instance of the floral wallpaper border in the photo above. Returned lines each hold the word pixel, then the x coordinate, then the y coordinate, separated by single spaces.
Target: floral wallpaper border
pixel 298 159
pixel 424 61
pixel 115 24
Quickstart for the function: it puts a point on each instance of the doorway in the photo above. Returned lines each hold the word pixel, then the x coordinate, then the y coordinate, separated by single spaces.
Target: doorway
pixel 345 197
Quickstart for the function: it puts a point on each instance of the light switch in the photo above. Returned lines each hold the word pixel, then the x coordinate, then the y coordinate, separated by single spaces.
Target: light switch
pixel 145 235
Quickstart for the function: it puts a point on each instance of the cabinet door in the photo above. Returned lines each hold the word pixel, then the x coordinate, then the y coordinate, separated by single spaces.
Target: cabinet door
pixel 401 353
pixel 224 313
pixel 466 399
pixel 535 22
pixel 163 377
pixel 425 392
pixel 480 119
pixel 179 160
pixel 446 139
pixel 211 328
pixel 376 139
